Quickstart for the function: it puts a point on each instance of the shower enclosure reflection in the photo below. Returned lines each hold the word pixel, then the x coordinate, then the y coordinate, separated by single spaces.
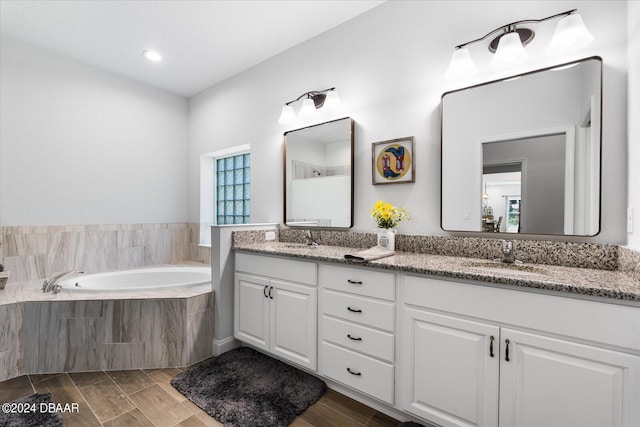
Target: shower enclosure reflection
pixel 318 175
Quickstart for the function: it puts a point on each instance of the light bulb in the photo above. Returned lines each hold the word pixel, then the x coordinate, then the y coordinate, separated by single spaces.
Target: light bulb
pixel 461 64
pixel 332 102
pixel 287 116
pixel 510 51
pixel 308 108
pixel 570 34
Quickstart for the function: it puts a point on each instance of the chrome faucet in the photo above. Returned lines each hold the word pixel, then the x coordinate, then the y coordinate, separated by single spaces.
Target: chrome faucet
pixel 51 285
pixel 308 238
pixel 507 253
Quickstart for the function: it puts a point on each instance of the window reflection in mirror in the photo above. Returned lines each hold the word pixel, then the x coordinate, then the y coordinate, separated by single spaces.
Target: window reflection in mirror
pixel 544 125
pixel 319 175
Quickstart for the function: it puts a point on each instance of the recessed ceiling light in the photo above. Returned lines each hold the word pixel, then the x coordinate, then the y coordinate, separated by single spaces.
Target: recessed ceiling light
pixel 152 55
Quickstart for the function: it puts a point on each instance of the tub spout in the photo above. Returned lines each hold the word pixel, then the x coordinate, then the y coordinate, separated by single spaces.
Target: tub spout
pixel 50 285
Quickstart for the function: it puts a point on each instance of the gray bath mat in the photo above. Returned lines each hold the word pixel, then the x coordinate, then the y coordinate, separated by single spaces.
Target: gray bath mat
pixel 245 388
pixel 35 418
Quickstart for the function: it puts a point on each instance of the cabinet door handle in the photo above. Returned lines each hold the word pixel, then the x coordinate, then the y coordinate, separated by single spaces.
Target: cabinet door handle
pixel 265 291
pixel 506 352
pixel 270 294
pixel 354 338
pixel 354 310
pixel 354 372
pixel 491 338
pixel 355 282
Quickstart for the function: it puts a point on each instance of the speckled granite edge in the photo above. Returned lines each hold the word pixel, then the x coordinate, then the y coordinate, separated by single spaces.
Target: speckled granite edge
pixel 569 254
pixel 629 261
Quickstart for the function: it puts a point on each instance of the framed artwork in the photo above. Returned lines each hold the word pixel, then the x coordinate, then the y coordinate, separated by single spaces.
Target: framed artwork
pixel 393 161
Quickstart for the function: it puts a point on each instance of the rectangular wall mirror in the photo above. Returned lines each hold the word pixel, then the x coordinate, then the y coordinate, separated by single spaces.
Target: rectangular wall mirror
pixel 522 154
pixel 318 175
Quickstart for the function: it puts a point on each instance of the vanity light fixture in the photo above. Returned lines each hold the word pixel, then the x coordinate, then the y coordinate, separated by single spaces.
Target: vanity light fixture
pixel 313 100
pixel 508 46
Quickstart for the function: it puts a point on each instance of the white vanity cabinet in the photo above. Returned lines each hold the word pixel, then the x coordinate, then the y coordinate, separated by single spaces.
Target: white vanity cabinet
pixel 449 374
pixel 275 307
pixel 357 325
pixel 482 356
pixel 550 381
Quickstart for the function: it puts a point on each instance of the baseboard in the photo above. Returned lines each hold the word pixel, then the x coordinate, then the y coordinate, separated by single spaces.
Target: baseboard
pixel 370 402
pixel 224 345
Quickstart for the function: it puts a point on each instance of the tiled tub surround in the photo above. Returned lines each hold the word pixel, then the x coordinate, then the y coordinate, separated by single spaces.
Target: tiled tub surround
pixel 585 269
pixel 67 332
pixel 37 252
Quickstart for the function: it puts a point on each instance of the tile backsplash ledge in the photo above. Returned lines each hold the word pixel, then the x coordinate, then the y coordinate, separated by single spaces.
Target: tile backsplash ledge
pixel 37 252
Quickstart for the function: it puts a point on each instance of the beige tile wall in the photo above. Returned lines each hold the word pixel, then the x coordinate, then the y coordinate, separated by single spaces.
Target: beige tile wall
pixel 95 335
pixel 37 252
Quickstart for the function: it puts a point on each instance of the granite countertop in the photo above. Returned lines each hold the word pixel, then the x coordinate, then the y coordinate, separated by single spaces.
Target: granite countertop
pixel 618 286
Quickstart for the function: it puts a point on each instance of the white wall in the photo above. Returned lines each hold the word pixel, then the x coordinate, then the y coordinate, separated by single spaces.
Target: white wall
pixel 83 146
pixel 633 122
pixel 388 66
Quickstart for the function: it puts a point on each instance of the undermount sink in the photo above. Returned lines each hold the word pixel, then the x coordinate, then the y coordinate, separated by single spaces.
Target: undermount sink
pixel 501 267
pixel 298 246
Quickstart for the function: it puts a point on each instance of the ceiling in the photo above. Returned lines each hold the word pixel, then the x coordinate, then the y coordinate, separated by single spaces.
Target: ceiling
pixel 203 42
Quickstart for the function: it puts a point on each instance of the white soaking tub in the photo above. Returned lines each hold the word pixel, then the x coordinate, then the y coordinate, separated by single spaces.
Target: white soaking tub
pixel 142 279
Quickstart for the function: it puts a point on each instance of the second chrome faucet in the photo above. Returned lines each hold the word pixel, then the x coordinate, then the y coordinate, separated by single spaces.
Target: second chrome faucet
pixel 507 255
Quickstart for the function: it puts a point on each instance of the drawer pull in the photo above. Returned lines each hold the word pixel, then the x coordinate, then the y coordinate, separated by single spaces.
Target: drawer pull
pixel 265 291
pixel 356 373
pixel 271 292
pixel 355 282
pixel 506 353
pixel 491 338
pixel 354 310
pixel 354 338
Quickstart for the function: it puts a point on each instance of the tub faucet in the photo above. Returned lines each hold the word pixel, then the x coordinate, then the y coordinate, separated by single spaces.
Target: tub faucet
pixel 51 285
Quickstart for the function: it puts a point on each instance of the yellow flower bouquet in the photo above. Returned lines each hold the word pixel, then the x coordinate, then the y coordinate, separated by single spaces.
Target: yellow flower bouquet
pixel 388 216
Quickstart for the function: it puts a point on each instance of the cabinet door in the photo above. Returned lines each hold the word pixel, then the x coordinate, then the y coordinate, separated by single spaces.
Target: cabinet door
pixel 251 310
pixel 294 323
pixel 449 375
pixel 551 382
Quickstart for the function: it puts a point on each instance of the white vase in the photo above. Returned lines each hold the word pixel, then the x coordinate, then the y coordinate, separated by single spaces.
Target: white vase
pixel 387 238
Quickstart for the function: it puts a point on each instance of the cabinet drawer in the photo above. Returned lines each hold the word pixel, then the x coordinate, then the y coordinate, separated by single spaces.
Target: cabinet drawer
pixel 379 314
pixel 360 338
pixel 358 281
pixel 363 373
pixel 280 268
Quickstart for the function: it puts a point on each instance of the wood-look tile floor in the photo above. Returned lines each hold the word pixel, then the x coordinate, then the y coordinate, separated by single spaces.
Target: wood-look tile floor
pixel 146 398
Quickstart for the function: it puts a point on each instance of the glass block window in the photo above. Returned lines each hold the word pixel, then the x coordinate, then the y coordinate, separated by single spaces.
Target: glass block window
pixel 233 192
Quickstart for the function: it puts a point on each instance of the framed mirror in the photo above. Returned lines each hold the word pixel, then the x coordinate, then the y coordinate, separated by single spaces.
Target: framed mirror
pixel 522 154
pixel 318 175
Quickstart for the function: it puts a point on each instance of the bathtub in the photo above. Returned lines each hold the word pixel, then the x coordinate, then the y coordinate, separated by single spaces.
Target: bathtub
pixel 141 279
